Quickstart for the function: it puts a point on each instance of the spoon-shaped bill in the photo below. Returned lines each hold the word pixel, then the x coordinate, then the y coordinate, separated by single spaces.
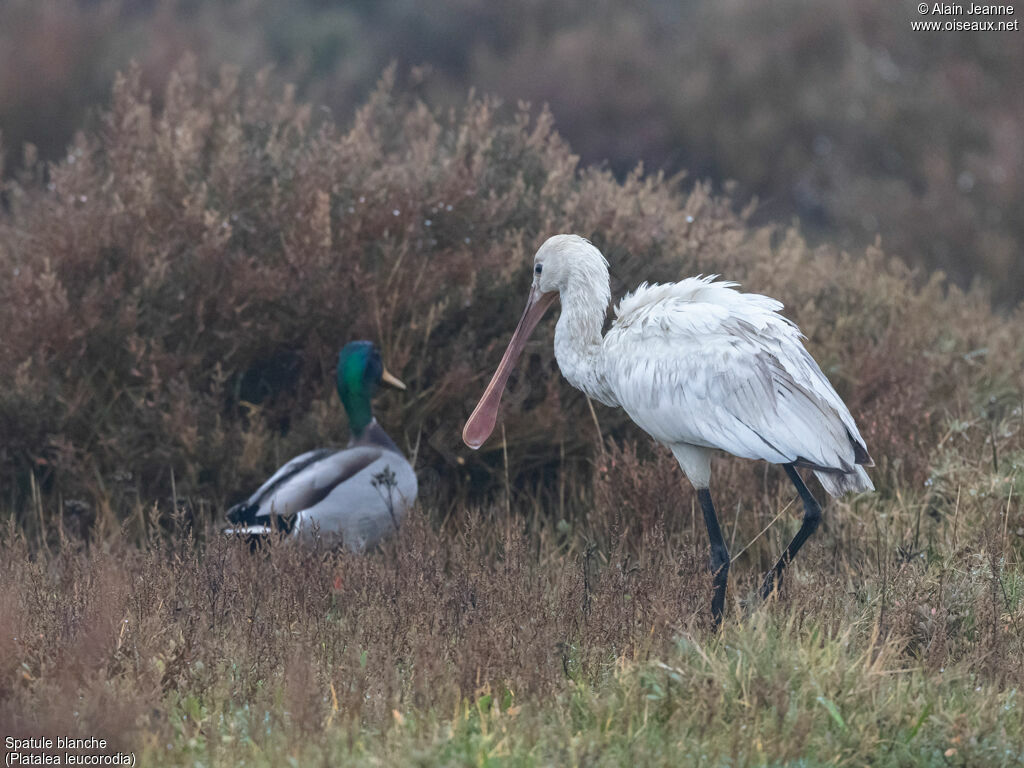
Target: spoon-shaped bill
pixel 481 422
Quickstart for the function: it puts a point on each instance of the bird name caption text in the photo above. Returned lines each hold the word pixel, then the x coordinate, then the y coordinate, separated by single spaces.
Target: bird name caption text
pixel 63 750
pixel 973 17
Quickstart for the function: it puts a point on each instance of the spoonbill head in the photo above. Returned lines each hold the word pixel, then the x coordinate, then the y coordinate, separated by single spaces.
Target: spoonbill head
pixel 564 265
pixel 699 366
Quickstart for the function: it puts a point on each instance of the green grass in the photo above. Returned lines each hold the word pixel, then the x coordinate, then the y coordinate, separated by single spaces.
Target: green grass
pixel 765 692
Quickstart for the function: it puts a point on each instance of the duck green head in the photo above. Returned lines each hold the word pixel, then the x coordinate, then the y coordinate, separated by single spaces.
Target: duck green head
pixel 360 374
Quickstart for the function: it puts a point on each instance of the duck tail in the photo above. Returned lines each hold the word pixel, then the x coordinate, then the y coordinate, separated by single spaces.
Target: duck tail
pixel 243 513
pixel 254 536
pixel 248 530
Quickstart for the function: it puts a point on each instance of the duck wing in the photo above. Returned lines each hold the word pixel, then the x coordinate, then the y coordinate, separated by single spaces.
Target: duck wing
pixel 362 511
pixel 303 482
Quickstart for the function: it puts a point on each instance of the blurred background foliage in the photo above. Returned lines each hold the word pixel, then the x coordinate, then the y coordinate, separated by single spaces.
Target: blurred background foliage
pixel 830 111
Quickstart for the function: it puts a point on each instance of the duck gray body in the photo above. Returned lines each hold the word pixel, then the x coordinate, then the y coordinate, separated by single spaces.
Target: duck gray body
pixel 354 496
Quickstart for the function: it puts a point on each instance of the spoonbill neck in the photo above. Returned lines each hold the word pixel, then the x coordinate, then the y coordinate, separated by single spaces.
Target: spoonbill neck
pixel 579 347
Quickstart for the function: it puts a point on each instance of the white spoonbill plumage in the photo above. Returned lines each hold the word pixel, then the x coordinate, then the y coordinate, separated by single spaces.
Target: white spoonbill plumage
pixel 700 367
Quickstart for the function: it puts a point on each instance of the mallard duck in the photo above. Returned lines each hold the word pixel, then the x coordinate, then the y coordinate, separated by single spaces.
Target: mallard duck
pixel 353 496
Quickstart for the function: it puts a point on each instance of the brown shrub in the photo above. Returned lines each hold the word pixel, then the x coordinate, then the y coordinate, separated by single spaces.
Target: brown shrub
pixel 181 282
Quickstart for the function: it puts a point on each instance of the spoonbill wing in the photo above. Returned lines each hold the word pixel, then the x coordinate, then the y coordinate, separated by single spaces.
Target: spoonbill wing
pixel 698 362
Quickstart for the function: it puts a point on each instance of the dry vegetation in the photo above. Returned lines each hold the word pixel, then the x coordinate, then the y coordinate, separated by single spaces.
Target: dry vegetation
pixel 176 289
pixel 510 638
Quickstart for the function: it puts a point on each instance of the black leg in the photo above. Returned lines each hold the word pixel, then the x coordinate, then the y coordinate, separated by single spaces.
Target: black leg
pixel 812 516
pixel 719 555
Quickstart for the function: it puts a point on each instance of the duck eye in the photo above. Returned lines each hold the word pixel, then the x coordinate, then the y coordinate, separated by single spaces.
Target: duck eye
pixel 537 269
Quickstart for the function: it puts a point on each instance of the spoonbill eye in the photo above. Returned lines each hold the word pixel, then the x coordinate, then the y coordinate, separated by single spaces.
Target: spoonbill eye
pixel 537 269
